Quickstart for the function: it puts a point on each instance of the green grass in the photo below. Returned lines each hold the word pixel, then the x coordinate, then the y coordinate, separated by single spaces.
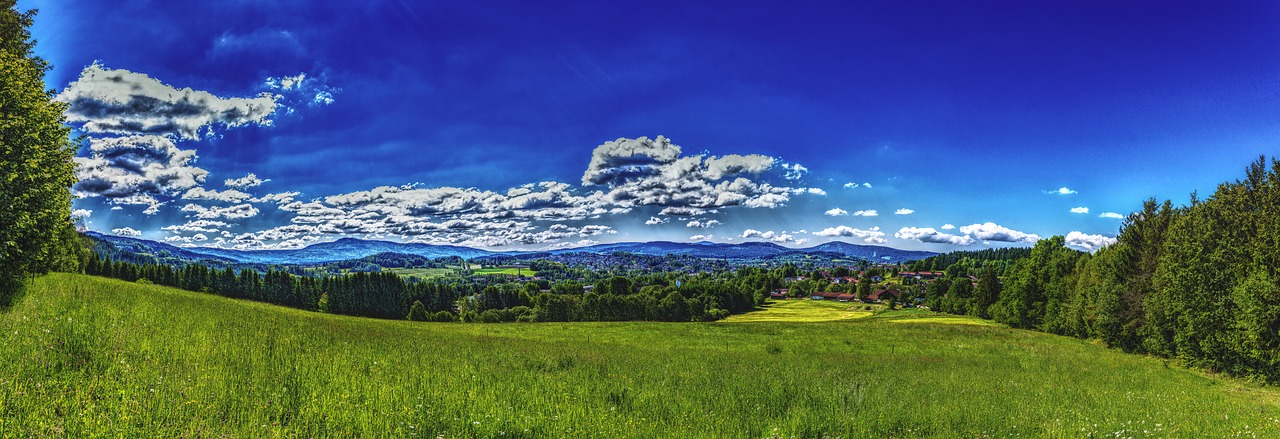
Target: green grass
pixel 803 310
pixel 90 357
pixel 420 272
pixel 511 271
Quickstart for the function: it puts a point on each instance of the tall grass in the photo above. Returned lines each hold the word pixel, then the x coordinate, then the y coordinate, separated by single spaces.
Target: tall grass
pixel 90 357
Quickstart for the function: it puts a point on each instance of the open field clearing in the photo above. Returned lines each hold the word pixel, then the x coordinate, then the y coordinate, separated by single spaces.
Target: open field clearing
pixel 92 357
pixel 801 310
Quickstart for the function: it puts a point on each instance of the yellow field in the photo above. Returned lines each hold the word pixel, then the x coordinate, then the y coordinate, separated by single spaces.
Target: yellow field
pixel 804 310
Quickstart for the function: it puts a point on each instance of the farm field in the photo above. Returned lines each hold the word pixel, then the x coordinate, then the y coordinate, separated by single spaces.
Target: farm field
pixel 420 272
pixel 802 310
pixel 91 357
pixel 507 271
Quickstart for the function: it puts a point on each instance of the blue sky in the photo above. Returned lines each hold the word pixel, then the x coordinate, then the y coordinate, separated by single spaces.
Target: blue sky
pixel 520 124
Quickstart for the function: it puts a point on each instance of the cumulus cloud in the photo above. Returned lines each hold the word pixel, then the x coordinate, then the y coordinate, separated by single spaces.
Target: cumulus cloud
pixel 836 212
pixel 81 213
pixel 852 185
pixel 903 212
pixel 278 198
pixel 248 181
pixel 127 232
pixel 653 220
pixel 1080 210
pixel 645 172
pixel 948 226
pixel 928 234
pixel 701 237
pixel 870 236
pixel 197 226
pixel 136 169
pixel 702 224
pixel 616 162
pixel 994 232
pixel 229 195
pixel 1060 191
pixel 118 101
pixel 869 212
pixel 1088 242
pixel 1111 215
pixel 778 237
pixel 238 211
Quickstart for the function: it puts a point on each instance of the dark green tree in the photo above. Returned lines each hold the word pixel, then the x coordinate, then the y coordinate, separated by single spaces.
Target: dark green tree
pixel 36 150
pixel 417 312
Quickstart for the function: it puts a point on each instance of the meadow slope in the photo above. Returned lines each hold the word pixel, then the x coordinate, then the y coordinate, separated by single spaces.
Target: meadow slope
pixel 90 357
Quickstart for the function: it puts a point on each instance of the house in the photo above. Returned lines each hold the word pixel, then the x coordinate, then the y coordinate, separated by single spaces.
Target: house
pixel 845 297
pixel 826 295
pixel 882 294
pixel 778 295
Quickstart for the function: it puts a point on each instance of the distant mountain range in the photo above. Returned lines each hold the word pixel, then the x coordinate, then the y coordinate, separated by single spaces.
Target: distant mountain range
pixel 351 248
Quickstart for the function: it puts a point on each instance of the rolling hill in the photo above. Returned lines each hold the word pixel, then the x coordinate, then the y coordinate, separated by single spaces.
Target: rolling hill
pixel 90 357
pixel 351 248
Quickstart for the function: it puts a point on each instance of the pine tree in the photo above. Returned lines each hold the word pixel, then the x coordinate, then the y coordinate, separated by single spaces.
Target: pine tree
pixel 36 169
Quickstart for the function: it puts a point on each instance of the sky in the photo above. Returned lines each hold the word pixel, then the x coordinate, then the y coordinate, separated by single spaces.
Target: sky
pixel 532 125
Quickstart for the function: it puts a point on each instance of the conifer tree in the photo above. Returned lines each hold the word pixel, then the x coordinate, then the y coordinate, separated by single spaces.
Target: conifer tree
pixel 36 169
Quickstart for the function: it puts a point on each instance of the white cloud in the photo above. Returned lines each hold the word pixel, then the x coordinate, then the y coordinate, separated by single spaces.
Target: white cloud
pixel 1087 242
pixel 644 172
pixel 1060 191
pixel 127 232
pixel 197 226
pixel 1079 210
pixel 123 102
pixel 278 198
pixel 228 196
pixel 286 82
pixel 653 220
pixel 248 181
pixel 702 224
pixel 928 234
pixel 81 213
pixel 869 212
pixel 778 237
pixel 903 212
pixel 238 211
pixel 948 226
pixel 795 171
pixel 1111 215
pixel 836 212
pixel 870 236
pixel 994 232
pixel 136 169
pixel 700 237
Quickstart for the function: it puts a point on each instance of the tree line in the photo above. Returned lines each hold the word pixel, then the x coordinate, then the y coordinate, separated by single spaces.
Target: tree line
pixel 1197 283
pixel 655 297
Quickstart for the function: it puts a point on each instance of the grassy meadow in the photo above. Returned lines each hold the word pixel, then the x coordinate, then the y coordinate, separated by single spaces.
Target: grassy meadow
pixel 506 271
pixel 91 357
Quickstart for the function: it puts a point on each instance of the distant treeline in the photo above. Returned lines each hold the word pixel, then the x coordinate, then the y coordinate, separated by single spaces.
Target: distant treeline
pixel 659 297
pixel 971 262
pixel 1198 283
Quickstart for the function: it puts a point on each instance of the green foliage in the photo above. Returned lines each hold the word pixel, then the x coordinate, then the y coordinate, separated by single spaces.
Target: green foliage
pixel 417 312
pixel 36 169
pixel 1197 283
